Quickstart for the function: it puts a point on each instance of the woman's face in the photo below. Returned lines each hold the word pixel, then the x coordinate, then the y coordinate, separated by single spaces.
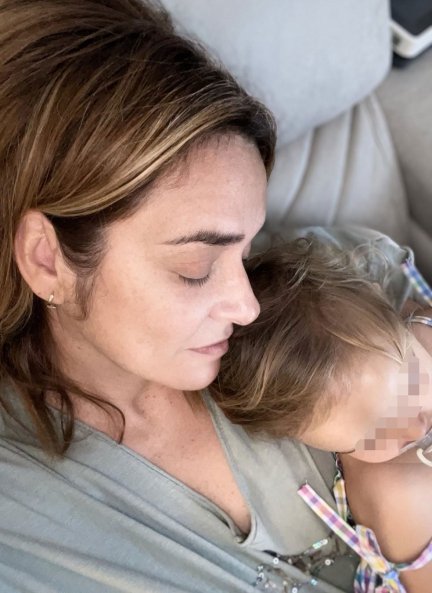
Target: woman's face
pixel 389 406
pixel 172 282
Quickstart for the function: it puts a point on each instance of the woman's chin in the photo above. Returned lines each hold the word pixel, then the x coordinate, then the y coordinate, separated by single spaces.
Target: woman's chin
pixel 200 379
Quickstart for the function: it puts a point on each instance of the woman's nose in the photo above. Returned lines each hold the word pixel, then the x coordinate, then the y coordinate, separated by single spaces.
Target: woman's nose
pixel 238 303
pixel 249 310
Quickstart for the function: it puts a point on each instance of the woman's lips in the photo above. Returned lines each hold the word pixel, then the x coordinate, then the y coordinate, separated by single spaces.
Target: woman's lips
pixel 219 348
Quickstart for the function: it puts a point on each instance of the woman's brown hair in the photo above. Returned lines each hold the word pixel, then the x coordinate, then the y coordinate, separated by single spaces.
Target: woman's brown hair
pixel 98 99
pixel 319 313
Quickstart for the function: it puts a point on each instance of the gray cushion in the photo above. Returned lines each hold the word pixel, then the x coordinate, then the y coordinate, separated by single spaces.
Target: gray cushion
pixel 406 97
pixel 342 172
pixel 307 60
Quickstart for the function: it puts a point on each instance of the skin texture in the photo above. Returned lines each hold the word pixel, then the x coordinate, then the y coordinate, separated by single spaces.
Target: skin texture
pixel 138 346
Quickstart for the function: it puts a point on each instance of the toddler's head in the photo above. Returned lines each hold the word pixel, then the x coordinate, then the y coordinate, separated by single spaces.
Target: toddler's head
pixel 325 360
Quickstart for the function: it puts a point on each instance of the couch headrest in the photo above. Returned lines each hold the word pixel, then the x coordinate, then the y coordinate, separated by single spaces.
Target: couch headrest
pixel 307 60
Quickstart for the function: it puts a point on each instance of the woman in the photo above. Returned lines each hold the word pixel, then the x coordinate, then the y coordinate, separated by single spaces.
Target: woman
pixel 133 175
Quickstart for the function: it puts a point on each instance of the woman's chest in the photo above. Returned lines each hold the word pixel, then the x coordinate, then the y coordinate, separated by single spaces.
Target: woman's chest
pixel 196 457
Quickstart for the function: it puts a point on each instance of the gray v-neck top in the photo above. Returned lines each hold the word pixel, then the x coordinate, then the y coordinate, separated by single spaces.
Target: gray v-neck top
pixel 106 520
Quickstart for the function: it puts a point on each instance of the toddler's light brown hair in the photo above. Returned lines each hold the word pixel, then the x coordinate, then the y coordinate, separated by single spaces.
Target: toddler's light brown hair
pixel 319 315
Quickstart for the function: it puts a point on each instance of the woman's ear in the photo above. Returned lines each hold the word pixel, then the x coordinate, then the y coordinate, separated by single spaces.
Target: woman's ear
pixel 39 257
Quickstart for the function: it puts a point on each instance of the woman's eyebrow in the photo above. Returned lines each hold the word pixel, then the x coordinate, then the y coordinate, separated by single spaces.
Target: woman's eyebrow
pixel 208 238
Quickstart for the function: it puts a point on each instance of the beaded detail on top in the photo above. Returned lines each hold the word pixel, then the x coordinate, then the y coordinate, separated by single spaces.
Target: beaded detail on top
pixel 272 577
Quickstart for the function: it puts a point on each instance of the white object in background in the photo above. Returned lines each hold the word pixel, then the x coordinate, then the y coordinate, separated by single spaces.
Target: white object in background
pixel 407 45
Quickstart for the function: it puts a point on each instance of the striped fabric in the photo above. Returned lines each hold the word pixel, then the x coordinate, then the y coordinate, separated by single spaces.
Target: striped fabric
pixel 339 491
pixel 417 281
pixel 373 566
pixel 421 287
pixel 375 574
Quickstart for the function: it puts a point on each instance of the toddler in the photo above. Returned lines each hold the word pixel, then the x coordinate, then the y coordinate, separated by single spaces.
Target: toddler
pixel 330 362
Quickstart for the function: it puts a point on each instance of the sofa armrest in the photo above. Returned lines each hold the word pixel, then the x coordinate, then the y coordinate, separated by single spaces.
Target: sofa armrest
pixel 406 98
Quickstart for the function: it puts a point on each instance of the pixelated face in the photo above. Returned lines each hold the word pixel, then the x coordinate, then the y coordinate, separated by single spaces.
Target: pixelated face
pixel 409 416
pixel 389 406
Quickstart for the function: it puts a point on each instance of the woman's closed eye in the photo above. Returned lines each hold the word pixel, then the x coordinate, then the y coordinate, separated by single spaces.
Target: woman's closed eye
pixel 202 279
pixel 195 281
pixel 194 273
